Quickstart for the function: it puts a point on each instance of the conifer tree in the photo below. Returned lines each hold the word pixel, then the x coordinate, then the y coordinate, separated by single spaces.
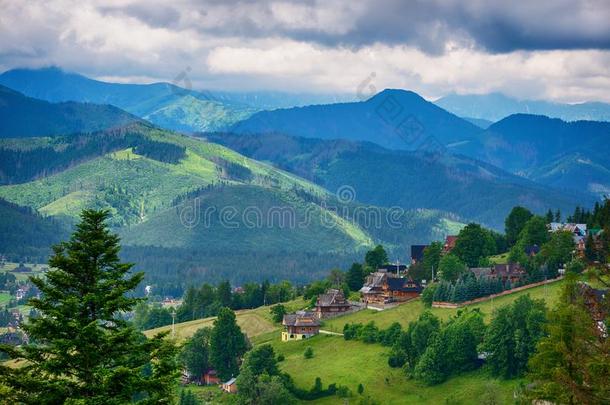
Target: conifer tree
pixel 82 349
pixel 227 344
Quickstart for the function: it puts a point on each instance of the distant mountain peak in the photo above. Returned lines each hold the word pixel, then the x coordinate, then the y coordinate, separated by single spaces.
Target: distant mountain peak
pixel 400 93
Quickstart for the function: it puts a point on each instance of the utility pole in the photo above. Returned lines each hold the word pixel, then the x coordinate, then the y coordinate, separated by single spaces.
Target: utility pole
pixel 173 322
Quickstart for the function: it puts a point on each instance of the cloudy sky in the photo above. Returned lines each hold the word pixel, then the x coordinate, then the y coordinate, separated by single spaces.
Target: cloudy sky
pixel 552 49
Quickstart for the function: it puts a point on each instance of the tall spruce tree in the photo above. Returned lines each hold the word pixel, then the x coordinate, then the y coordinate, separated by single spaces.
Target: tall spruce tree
pixel 82 350
pixel 227 344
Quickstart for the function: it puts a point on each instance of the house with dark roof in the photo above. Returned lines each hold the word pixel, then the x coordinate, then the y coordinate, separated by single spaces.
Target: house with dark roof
pixel 417 253
pixel 383 287
pixel 300 325
pixel 511 271
pixel 331 303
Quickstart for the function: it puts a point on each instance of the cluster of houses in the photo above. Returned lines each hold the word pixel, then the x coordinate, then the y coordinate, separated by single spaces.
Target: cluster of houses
pixel 579 232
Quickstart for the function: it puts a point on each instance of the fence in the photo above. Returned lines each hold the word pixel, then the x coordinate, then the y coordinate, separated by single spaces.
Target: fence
pixel 453 305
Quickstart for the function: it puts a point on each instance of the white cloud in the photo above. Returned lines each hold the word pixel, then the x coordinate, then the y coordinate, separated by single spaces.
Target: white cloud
pixel 297 47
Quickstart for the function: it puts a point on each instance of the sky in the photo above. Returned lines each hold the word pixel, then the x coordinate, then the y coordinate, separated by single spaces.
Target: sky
pixel 542 49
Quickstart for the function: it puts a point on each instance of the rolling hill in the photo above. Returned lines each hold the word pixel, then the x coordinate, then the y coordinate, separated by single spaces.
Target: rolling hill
pixel 496 106
pixel 471 189
pixel 22 116
pixel 395 119
pixel 186 206
pixel 164 104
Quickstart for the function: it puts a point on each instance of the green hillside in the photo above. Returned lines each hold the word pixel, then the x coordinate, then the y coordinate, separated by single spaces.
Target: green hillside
pixel 351 362
pixel 22 116
pixel 163 104
pixel 471 189
pixel 263 223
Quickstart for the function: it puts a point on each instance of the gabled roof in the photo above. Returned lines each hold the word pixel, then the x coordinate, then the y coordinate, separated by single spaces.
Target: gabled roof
pixel 403 284
pixel 230 382
pixel 332 297
pixel 301 318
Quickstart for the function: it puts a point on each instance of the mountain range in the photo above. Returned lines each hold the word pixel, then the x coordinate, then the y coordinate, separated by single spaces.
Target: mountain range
pixel 164 104
pixel 395 119
pixel 174 197
pixel 496 106
pixel 171 193
pixel 22 116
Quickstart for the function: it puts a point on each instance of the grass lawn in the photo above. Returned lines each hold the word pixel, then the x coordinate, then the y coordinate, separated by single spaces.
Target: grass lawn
pixel 253 322
pixel 410 311
pixel 207 394
pixel 350 363
pixel 499 259
pixel 4 298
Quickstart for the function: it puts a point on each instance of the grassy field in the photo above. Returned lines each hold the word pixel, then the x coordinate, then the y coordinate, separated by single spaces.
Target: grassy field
pixel 253 322
pixel 36 270
pixel 4 298
pixel 409 311
pixel 350 363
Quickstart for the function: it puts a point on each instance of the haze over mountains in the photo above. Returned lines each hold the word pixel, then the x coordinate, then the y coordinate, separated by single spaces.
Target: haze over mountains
pixel 393 150
pixel 495 106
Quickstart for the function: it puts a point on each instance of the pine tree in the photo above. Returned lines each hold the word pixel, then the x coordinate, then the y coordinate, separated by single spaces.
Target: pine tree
pixel 355 277
pixel 549 216
pixel 227 344
pixel 84 351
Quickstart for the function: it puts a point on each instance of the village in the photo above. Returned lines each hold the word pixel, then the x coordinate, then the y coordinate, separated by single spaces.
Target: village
pixel 385 287
pixel 392 285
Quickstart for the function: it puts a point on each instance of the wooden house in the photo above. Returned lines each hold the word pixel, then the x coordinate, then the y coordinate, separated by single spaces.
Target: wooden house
pixel 449 245
pixel 511 271
pixel 230 386
pixel 382 287
pixel 300 325
pixel 211 377
pixel 331 303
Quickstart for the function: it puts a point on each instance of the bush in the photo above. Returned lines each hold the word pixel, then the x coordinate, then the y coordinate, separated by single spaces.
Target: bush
pixel 369 333
pixel 280 357
pixel 427 296
pixel 308 352
pixel 360 389
pixel 576 266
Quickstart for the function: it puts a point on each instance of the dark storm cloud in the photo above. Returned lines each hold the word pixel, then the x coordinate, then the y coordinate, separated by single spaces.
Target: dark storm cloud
pixel 496 26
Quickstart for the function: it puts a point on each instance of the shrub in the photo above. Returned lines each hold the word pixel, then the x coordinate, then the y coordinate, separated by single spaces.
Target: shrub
pixel 308 352
pixel 360 389
pixel 280 357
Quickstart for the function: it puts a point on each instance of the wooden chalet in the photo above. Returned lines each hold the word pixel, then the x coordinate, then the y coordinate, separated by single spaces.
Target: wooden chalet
pixel 595 301
pixel 300 325
pixel 230 386
pixel 449 245
pixel 331 303
pixel 382 287
pixel 211 378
